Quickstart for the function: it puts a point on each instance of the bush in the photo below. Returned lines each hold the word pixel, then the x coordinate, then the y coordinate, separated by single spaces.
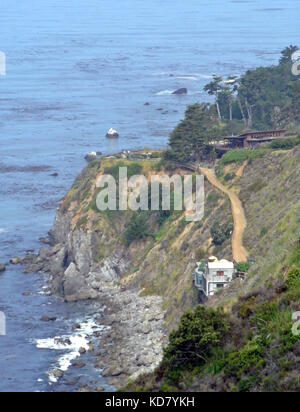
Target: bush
pixel 242 266
pixel 200 254
pixel 220 232
pixel 235 156
pixel 240 155
pixel 198 334
pixel 156 155
pixel 229 176
pixel 137 228
pixel 258 185
pixel 245 359
pixel 285 144
pixel 263 232
pixel 293 278
pixel 212 199
pixel 132 169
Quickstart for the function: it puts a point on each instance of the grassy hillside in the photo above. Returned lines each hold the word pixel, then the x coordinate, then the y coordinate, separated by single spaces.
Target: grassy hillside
pixel 242 340
pixel 160 248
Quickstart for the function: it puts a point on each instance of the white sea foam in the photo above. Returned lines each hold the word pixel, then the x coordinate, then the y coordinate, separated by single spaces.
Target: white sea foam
pixel 164 92
pixel 70 345
pixel 206 76
pixel 3 230
pixel 186 78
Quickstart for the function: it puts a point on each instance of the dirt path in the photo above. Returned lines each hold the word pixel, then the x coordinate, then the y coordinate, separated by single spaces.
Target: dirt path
pixel 240 170
pixel 239 252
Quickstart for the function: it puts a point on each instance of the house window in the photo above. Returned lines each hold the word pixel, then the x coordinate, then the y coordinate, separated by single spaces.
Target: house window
pixel 220 273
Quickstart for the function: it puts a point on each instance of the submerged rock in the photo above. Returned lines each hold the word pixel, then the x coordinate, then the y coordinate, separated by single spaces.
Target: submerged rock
pixel 57 373
pixel 99 389
pixel 78 364
pixel 16 260
pixel 46 318
pixel 183 90
pixel 112 133
pixel 2 267
pixel 45 240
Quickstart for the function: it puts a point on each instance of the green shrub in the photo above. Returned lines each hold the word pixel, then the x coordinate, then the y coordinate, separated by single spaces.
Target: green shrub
pixel 263 232
pixel 137 228
pixel 220 232
pixel 200 254
pixel 156 155
pixel 240 155
pixel 235 156
pixel 258 185
pixel 293 278
pixel 82 221
pixel 132 169
pixel 247 383
pixel 242 361
pixel 199 332
pixel 229 176
pixel 212 198
pixel 243 266
pixel 285 144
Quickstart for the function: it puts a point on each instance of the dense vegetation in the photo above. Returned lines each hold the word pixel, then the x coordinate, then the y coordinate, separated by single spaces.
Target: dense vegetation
pixel 264 98
pixel 252 348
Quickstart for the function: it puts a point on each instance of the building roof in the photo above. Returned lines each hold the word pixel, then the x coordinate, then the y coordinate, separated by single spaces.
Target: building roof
pixel 263 132
pixel 222 264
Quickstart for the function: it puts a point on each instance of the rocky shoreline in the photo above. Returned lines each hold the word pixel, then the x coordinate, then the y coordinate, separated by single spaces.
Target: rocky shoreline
pixel 132 341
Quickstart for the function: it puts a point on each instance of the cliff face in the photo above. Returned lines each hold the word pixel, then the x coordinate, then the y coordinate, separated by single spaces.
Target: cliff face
pixel 90 253
pixel 261 349
pixel 146 284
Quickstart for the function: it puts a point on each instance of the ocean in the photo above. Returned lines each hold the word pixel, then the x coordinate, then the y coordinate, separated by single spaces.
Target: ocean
pixel 73 70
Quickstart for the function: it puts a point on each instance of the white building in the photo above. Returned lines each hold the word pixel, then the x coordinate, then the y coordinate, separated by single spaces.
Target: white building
pixel 215 274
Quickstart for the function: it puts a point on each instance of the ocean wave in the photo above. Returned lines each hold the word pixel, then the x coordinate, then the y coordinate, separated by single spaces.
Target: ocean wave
pixel 70 344
pixel 164 92
pixel 3 230
pixel 206 76
pixel 186 78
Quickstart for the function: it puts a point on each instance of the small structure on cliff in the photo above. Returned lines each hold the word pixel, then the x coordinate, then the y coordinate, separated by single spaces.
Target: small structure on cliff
pixel 248 140
pixel 213 275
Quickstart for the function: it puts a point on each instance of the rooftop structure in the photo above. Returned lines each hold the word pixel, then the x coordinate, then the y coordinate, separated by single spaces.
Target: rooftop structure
pixel 249 140
pixel 213 275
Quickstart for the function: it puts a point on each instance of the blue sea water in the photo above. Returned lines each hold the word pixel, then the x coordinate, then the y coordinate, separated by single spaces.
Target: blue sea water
pixel 75 68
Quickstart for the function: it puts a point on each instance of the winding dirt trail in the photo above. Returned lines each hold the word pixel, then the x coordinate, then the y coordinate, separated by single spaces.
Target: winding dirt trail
pixel 239 252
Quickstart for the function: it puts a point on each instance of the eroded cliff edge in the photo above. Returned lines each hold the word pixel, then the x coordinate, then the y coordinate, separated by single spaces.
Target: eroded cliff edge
pixel 145 284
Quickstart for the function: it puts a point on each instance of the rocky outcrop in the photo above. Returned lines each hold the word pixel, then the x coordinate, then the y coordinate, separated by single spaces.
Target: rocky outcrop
pixel 2 267
pixel 112 133
pixel 133 340
pixel 183 90
pixel 135 324
pixel 89 157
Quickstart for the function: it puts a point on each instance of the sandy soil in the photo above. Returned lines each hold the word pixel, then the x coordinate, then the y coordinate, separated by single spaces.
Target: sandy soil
pixel 239 252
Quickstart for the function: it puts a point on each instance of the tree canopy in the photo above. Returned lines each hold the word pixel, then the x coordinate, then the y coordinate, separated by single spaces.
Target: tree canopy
pixel 260 99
